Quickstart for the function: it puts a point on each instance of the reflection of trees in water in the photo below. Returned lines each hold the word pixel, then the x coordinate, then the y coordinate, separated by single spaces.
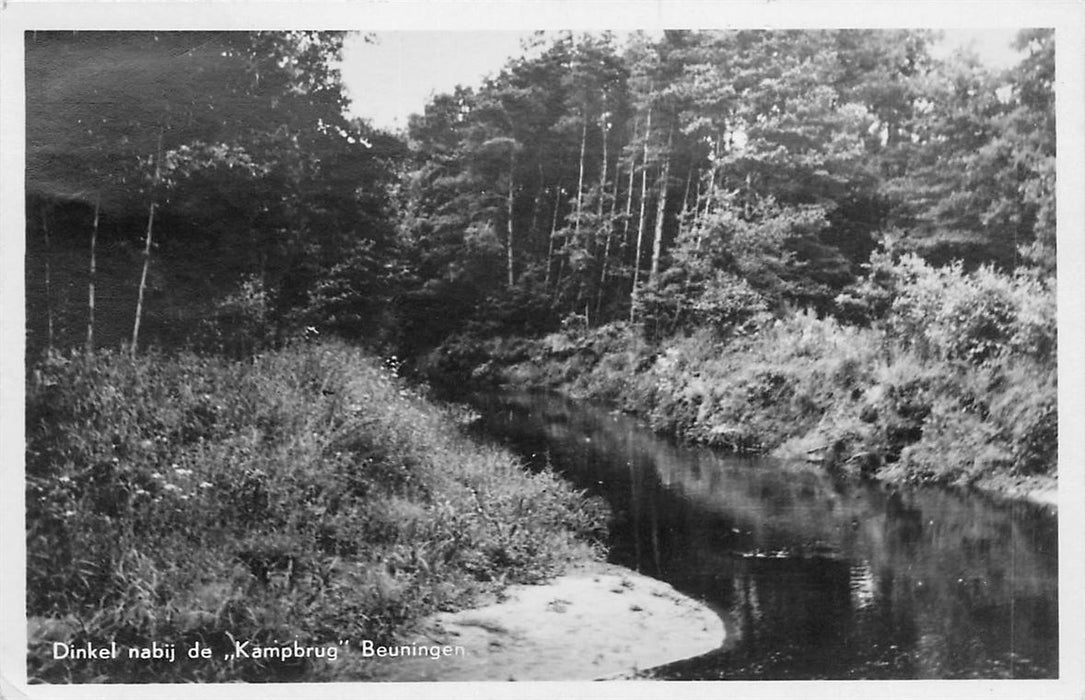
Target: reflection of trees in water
pixel 819 577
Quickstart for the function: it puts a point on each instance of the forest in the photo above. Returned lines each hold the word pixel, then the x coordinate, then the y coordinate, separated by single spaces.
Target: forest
pixel 674 183
pixel 825 244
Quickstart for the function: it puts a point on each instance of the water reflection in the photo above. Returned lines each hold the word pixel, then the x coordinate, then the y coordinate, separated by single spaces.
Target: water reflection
pixel 815 577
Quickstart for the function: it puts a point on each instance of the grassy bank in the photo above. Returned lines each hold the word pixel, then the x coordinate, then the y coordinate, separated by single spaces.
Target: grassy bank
pixel 955 384
pixel 307 495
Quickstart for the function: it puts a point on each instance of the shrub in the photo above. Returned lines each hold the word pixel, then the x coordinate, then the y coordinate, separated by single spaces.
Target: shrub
pixel 723 301
pixel 949 314
pixel 1024 407
pixel 728 304
pixel 240 325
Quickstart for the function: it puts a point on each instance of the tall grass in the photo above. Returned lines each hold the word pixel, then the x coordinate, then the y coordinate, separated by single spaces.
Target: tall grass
pixel 307 494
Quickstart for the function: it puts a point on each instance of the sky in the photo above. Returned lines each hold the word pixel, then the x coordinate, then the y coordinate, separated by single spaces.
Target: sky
pixel 395 75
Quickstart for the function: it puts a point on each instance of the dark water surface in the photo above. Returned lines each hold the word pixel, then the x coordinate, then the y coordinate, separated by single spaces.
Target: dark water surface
pixel 815 577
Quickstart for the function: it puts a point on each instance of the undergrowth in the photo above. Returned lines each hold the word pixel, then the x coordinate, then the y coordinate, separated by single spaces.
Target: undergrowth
pixel 929 375
pixel 304 495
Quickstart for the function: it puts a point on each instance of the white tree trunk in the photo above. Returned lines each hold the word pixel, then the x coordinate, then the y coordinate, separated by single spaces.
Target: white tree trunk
pixel 657 243
pixel 93 272
pixel 143 279
pixel 640 226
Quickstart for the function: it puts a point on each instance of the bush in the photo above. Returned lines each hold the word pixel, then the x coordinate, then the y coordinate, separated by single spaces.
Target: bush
pixel 728 303
pixel 948 314
pixel 240 325
pixel 724 302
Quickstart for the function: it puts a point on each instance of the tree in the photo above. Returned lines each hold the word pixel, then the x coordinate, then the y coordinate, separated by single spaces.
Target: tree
pixel 977 184
pixel 766 163
pixel 232 142
pixel 781 120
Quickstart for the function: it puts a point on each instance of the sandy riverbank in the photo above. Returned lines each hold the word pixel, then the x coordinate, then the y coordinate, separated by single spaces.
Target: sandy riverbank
pixel 599 622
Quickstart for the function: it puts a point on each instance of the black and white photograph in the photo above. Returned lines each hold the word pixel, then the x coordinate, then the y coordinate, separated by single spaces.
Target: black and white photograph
pixel 426 352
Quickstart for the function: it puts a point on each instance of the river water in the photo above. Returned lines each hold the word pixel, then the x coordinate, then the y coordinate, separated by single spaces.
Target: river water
pixel 815 577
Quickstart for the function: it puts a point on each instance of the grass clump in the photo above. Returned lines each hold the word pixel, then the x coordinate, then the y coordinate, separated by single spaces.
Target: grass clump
pixel 306 495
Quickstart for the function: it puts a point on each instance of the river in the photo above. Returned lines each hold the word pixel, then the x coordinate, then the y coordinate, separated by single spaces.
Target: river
pixel 815 576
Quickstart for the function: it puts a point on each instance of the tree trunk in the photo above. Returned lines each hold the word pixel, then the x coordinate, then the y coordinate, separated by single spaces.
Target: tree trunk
pixel 48 283
pixel 610 235
pixel 629 195
pixel 93 273
pixel 603 173
pixel 661 209
pixel 696 223
pixel 147 249
pixel 599 215
pixel 712 176
pixel 553 235
pixel 143 278
pixel 508 214
pixel 580 180
pixel 748 195
pixel 682 216
pixel 579 201
pixel 533 231
pixel 640 224
pixel 684 212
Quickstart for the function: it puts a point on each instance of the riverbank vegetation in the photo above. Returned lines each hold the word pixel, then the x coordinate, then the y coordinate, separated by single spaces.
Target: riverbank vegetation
pixel 306 495
pixel 955 383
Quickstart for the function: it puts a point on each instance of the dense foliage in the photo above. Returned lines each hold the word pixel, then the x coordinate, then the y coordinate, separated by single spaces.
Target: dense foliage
pixel 170 169
pixel 680 180
pixel 657 179
pixel 955 384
